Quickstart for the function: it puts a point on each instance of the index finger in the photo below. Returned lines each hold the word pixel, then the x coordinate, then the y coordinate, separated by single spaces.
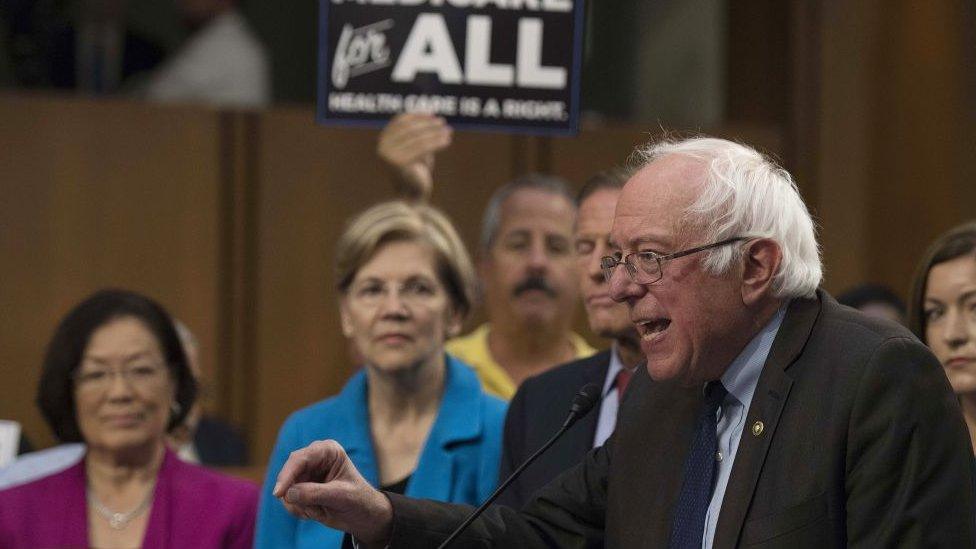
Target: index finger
pixel 315 460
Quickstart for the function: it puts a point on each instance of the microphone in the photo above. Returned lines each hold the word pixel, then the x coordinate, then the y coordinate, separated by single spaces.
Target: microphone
pixel 583 402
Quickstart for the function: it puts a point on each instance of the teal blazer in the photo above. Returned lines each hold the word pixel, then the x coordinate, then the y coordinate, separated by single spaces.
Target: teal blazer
pixel 458 463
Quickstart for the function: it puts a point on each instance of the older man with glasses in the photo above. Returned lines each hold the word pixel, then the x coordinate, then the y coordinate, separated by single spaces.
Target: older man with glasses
pixel 778 418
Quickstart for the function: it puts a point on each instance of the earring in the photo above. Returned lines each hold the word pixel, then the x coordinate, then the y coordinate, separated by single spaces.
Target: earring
pixel 175 408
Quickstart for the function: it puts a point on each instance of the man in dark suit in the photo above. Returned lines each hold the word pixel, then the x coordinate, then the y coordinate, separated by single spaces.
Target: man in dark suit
pixel 777 418
pixel 539 407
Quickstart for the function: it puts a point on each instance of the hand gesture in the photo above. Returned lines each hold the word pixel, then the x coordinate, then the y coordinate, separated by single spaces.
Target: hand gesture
pixel 321 483
pixel 408 144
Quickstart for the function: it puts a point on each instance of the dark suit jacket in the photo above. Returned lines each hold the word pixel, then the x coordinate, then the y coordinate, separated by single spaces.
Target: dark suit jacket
pixel 862 445
pixel 536 412
pixel 219 444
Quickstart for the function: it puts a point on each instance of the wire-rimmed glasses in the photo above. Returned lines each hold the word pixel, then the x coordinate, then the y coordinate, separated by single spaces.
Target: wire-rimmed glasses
pixel 648 267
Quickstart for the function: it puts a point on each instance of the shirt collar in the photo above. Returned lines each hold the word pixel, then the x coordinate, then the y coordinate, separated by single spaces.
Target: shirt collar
pixel 615 366
pixel 742 376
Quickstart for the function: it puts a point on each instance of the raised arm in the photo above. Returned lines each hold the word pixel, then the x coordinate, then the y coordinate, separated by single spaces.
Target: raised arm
pixel 408 144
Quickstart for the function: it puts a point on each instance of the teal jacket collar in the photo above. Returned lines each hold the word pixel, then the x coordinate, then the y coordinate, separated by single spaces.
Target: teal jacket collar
pixel 459 419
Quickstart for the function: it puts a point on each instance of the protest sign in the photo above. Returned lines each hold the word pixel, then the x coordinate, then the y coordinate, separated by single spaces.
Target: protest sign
pixel 508 65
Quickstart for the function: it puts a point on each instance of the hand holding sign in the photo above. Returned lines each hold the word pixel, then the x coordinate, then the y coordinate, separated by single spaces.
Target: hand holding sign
pixel 408 144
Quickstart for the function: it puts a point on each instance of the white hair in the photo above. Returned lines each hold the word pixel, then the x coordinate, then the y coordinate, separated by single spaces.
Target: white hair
pixel 747 194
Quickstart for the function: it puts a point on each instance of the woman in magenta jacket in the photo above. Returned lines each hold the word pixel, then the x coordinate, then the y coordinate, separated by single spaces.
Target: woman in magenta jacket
pixel 116 378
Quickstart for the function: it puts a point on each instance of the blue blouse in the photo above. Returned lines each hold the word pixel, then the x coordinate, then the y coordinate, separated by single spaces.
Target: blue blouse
pixel 458 463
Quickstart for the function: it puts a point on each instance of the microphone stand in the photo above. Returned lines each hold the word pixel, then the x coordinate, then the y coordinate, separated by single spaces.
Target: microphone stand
pixel 579 409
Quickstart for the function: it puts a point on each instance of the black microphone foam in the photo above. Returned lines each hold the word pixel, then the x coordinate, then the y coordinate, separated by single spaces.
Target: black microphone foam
pixel 583 402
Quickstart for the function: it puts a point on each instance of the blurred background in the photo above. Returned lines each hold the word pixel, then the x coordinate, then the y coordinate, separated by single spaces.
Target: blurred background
pixel 226 210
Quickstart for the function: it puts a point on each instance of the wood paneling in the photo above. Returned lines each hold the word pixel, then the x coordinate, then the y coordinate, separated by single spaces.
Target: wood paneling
pixel 597 148
pixel 923 160
pixel 98 194
pixel 888 133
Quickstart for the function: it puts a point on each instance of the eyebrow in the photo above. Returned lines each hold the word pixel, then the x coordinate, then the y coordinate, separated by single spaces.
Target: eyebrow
pixel 645 240
pixel 516 232
pixel 965 296
pixel 412 277
pixel 420 277
pixel 127 358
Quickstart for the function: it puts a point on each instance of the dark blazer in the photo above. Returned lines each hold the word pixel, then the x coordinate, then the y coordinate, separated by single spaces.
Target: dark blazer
pixel 219 444
pixel 861 444
pixel 536 412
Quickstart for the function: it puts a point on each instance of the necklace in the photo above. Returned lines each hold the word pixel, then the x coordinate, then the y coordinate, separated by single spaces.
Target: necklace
pixel 118 521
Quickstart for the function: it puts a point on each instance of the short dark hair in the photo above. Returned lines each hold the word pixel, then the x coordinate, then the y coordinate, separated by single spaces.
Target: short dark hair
pixel 867 293
pixel 957 242
pixel 612 178
pixel 55 394
pixel 492 219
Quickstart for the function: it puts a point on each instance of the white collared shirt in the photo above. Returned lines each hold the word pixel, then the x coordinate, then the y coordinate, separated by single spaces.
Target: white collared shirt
pixel 610 402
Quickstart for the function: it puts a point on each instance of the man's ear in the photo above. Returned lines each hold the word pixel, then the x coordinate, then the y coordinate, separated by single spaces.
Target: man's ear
pixel 760 262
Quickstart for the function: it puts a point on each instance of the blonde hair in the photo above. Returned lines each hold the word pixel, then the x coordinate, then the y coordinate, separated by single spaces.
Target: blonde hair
pixel 399 221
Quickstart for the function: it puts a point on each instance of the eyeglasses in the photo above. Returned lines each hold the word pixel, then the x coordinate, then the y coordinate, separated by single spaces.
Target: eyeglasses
pixel 411 293
pixel 648 267
pixel 141 375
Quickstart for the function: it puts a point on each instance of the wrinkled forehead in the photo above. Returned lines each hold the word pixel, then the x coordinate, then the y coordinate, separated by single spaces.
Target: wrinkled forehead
pixel 653 204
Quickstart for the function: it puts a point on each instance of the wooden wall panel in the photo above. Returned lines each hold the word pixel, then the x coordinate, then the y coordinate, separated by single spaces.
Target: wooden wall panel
pixel 890 133
pixel 923 160
pixel 97 194
pixel 600 147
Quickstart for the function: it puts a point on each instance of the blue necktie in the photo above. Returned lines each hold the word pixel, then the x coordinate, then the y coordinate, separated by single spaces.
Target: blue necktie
pixel 688 523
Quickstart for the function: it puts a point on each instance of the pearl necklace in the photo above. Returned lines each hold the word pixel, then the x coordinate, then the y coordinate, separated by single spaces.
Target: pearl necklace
pixel 118 521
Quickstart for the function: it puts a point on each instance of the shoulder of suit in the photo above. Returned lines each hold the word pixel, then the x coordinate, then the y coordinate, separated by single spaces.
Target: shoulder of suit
pixel 570 371
pixel 871 331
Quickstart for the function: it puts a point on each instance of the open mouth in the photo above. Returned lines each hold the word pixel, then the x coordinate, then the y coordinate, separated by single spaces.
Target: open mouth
pixel 653 329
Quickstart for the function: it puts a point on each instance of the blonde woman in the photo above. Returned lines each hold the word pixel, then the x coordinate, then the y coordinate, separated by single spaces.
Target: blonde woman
pixel 414 420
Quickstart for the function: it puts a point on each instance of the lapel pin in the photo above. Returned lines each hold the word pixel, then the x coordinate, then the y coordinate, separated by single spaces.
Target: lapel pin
pixel 758 428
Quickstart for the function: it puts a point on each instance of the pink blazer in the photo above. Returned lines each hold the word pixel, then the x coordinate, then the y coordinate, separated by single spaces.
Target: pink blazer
pixel 192 507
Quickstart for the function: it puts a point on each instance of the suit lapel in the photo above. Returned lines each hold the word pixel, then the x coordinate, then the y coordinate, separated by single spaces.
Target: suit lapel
pixel 72 513
pixel 160 528
pixel 649 446
pixel 771 395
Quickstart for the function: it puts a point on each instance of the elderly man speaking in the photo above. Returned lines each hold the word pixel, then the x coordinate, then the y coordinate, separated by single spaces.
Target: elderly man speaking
pixel 778 418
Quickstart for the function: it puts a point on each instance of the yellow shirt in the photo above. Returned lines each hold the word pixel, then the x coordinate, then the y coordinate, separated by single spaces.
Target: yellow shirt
pixel 473 350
